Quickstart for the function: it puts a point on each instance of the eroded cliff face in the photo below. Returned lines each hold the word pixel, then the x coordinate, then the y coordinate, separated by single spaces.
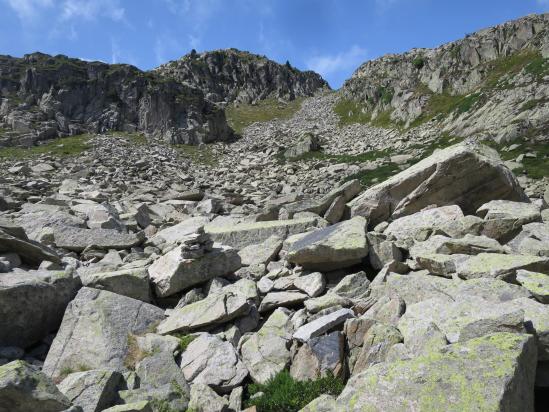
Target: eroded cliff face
pixel 235 76
pixel 49 96
pixel 493 82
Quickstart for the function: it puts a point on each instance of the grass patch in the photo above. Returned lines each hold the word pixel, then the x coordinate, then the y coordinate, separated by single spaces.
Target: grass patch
pixel 202 154
pixel 62 147
pixel 136 138
pixel 333 158
pixel 383 119
pixel 241 116
pixel 284 394
pixel 511 65
pixel 533 167
pixel 538 67
pixel 184 340
pixel 371 177
pixel 443 104
pixel 134 353
pixel 351 112
pixel 444 141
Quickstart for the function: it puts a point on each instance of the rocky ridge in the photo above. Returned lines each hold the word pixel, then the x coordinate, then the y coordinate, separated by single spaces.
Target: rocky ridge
pixel 234 76
pixel 492 83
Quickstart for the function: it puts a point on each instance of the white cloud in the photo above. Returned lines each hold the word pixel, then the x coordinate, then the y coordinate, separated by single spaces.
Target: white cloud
pixel 91 9
pixel 28 10
pixel 329 64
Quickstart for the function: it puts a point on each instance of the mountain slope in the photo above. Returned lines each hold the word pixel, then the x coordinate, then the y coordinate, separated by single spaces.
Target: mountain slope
pixel 494 83
pixel 232 75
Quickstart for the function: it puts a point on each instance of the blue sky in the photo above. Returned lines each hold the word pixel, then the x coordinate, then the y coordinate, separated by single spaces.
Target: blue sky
pixel 332 37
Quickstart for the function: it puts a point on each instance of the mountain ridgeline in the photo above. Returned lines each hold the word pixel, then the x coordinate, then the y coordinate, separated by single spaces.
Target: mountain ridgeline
pixel 44 96
pixel 493 83
pixel 235 76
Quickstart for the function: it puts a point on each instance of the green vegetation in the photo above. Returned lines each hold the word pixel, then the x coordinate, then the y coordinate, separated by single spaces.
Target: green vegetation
pixel 533 167
pixel 184 340
pixel 441 105
pixel 418 62
pixel 136 138
pixel 201 154
pixel 510 65
pixel 284 394
pixel 332 158
pixel 379 174
pixel 385 94
pixel 530 104
pixel 351 112
pixel 538 67
pixel 135 354
pixel 444 141
pixel 63 147
pixel 241 116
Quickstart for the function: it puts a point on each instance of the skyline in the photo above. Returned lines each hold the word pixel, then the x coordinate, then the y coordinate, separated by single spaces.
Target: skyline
pixel 330 37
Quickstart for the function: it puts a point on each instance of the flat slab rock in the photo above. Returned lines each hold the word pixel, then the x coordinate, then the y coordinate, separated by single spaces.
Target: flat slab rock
pixel 78 239
pixel 334 247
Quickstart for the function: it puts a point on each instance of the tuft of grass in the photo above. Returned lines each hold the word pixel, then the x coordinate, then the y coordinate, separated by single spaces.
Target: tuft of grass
pixel 201 154
pixel 184 340
pixel 285 394
pixel 62 147
pixel 371 177
pixel 351 112
pixel 242 115
pixel 134 353
pixel 384 120
pixel 508 66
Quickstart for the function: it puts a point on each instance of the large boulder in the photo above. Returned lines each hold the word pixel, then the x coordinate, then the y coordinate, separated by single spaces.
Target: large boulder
pixel 334 247
pixel 532 240
pixel 97 332
pixel 214 362
pixel 266 352
pixel 92 390
pixel 467 175
pixel 32 304
pixel 23 388
pixel 463 318
pixel 503 219
pixel 216 309
pixel 175 272
pixel 494 373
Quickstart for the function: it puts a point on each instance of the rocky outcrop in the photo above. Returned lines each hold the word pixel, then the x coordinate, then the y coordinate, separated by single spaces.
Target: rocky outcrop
pixel 46 96
pixel 232 75
pixel 441 179
pixel 490 83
